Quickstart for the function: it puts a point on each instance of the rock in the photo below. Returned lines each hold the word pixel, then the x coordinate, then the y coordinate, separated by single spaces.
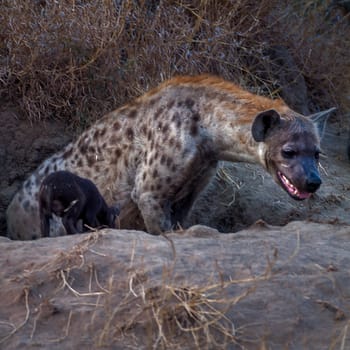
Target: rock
pixel 263 287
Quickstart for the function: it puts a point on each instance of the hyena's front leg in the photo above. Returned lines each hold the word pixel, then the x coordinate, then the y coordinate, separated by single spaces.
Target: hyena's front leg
pixel 153 203
pixel 155 213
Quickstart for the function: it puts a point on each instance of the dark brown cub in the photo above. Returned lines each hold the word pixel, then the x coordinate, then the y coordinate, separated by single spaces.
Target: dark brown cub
pixel 73 198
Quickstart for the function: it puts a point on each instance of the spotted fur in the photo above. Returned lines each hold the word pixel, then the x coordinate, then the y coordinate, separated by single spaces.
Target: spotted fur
pixel 152 157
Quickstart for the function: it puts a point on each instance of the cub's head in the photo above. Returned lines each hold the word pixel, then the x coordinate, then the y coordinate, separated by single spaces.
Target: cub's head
pixel 290 149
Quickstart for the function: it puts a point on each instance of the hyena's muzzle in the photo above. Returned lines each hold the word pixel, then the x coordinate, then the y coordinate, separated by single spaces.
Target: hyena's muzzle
pixel 299 177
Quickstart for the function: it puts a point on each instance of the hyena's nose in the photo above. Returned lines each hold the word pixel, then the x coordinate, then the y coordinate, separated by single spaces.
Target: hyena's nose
pixel 313 184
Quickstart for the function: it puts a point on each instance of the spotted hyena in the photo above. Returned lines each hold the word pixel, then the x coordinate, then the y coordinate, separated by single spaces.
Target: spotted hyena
pixel 73 198
pixel 154 156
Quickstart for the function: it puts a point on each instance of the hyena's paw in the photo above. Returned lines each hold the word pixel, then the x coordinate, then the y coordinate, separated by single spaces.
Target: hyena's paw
pixel 155 215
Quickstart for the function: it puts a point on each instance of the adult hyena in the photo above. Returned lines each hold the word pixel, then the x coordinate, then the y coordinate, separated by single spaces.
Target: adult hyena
pixel 155 155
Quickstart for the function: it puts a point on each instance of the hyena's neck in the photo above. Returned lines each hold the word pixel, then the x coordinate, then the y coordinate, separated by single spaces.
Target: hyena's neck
pixel 234 143
pixel 230 127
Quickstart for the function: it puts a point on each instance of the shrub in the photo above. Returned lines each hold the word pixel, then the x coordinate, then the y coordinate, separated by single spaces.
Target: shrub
pixel 77 60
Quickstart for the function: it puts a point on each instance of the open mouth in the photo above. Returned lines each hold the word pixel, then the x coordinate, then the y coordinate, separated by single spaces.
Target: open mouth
pixel 291 189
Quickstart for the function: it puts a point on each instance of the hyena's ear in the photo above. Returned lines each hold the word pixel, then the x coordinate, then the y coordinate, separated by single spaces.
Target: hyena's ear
pixel 320 120
pixel 263 123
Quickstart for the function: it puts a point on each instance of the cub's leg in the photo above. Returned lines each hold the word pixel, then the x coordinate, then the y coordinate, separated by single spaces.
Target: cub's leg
pixel 71 217
pixel 70 224
pixel 90 215
pixel 45 224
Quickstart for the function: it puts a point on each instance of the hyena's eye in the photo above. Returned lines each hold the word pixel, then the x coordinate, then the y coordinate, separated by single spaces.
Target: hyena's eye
pixel 288 153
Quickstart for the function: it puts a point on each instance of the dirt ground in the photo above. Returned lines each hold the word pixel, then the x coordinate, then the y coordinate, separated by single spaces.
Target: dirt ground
pixel 266 287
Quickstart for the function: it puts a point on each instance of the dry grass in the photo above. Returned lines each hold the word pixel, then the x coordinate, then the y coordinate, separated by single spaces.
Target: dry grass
pixel 129 307
pixel 172 315
pixel 76 60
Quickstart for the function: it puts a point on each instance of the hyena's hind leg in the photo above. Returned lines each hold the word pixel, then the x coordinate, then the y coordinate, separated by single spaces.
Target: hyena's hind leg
pixel 23 218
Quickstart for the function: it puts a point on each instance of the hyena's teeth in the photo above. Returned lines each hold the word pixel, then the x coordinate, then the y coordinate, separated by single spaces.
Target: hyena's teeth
pixel 291 188
pixel 286 180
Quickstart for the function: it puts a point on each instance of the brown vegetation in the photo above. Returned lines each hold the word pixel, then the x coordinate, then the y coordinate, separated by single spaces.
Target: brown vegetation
pixel 76 60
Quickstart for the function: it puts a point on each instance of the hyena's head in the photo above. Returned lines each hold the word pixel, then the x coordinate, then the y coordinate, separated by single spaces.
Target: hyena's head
pixel 290 148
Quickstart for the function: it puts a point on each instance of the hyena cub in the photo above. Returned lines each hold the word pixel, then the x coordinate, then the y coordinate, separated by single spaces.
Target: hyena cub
pixel 73 198
pixel 156 154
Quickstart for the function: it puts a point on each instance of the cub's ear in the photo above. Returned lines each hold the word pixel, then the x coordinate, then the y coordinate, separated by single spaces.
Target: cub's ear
pixel 320 120
pixel 263 123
